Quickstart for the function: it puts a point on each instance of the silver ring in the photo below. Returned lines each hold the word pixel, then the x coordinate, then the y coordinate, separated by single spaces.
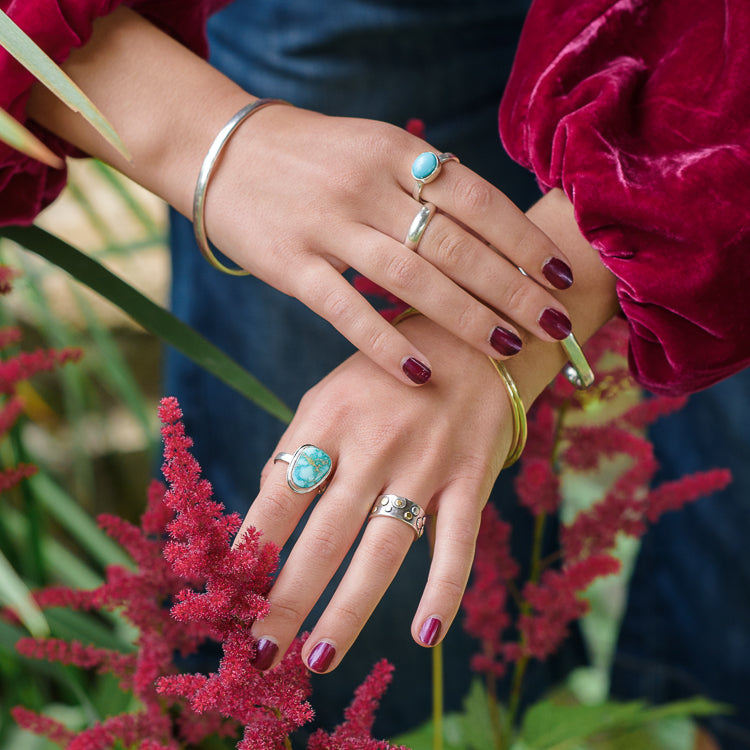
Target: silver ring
pixel 421 220
pixel 395 506
pixel 425 168
pixel 309 467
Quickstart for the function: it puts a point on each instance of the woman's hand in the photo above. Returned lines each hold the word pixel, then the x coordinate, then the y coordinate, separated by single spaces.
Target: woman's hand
pixel 297 197
pixel 441 447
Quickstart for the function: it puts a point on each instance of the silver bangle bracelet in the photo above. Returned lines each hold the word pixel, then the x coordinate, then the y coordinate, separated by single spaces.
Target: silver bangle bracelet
pixel 204 176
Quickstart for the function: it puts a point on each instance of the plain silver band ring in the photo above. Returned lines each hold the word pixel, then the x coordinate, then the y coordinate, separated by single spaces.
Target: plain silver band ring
pixel 419 184
pixel 402 509
pixel 419 224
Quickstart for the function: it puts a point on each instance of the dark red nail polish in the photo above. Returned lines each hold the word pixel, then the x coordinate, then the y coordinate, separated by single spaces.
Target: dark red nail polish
pixel 555 323
pixel 505 342
pixel 416 371
pixel 321 657
pixel 558 273
pixel 430 631
pixel 265 652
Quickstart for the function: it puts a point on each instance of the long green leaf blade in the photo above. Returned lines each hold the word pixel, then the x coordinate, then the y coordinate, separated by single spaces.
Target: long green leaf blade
pixel 19 138
pixel 15 593
pixel 148 314
pixel 36 61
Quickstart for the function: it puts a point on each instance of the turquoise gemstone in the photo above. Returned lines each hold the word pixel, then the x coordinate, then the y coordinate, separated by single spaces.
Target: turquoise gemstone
pixel 424 165
pixel 309 468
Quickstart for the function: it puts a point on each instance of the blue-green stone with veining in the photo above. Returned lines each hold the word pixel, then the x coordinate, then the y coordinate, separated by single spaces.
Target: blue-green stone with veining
pixel 424 165
pixel 310 467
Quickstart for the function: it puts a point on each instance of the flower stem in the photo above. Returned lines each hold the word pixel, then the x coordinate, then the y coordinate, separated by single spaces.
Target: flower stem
pixel 437 697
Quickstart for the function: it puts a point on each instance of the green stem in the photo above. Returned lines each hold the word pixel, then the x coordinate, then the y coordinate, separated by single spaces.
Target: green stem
pixel 492 705
pixel 437 697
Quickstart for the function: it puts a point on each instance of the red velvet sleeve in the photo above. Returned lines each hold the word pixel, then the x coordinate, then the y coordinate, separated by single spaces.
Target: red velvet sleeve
pixel 58 26
pixel 640 111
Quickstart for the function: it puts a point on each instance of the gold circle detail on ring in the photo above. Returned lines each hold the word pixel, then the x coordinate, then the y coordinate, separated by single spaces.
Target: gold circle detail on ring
pixel 419 224
pixel 402 509
pixel 204 177
pixel 425 168
pixel 308 468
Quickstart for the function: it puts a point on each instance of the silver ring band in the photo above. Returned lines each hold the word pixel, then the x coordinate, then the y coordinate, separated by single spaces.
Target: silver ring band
pixel 419 224
pixel 401 508
pixel 309 468
pixel 425 168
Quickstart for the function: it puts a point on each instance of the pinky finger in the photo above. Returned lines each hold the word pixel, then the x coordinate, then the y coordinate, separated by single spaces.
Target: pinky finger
pixel 455 540
pixel 333 298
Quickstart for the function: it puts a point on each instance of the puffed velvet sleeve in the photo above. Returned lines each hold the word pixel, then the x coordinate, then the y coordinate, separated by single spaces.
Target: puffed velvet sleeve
pixel 640 111
pixel 58 26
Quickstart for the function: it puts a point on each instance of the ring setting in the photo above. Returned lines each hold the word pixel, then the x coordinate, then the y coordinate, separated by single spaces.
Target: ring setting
pixel 402 509
pixel 419 224
pixel 309 468
pixel 426 167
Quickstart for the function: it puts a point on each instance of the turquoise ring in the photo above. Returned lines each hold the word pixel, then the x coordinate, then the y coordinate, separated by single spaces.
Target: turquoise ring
pixel 425 168
pixel 308 470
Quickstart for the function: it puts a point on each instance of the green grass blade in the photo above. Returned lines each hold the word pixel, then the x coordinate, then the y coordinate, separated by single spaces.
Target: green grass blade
pixel 15 594
pixel 148 314
pixel 36 61
pixel 17 137
pixel 77 522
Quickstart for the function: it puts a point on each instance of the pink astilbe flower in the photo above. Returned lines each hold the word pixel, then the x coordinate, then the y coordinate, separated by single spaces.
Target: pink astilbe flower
pixel 485 601
pixel 556 603
pixel 355 731
pixel 43 726
pixel 25 364
pixel 269 705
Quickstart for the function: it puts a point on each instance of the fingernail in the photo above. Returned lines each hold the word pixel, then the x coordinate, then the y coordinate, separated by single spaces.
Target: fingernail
pixel 416 371
pixel 321 657
pixel 505 342
pixel 558 273
pixel 555 323
pixel 430 631
pixel 265 653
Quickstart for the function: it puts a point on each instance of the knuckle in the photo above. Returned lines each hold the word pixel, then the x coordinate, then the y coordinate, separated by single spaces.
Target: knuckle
pixel 283 610
pixel 518 297
pixel 335 304
pixel 326 542
pixel 402 271
pixel 379 341
pixel 449 251
pixel 447 589
pixel 473 193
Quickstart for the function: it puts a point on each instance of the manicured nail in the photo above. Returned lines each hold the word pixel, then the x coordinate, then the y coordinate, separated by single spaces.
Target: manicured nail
pixel 265 652
pixel 558 273
pixel 321 657
pixel 430 631
pixel 555 323
pixel 505 342
pixel 416 371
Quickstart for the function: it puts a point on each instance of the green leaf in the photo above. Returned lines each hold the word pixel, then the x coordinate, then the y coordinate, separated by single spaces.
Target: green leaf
pixel 421 738
pixel 77 521
pixel 17 137
pixel 15 594
pixel 36 61
pixel 148 314
pixel 477 722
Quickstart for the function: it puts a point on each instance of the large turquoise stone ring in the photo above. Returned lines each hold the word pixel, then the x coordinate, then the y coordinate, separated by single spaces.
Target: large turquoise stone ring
pixel 308 469
pixel 426 167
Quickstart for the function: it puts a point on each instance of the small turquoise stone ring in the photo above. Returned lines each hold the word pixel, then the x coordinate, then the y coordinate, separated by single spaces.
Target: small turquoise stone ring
pixel 425 168
pixel 308 468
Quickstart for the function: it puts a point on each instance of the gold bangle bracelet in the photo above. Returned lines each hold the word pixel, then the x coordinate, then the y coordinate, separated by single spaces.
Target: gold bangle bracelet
pixel 204 176
pixel 520 427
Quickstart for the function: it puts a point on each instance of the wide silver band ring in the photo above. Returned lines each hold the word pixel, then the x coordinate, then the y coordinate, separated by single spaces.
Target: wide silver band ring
pixel 401 508
pixel 419 224
pixel 426 168
pixel 309 468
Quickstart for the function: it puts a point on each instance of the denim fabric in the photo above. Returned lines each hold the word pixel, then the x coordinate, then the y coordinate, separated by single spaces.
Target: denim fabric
pixel 446 62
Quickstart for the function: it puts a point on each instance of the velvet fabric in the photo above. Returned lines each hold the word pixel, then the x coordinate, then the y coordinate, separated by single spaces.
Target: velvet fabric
pixel 640 111
pixel 59 26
